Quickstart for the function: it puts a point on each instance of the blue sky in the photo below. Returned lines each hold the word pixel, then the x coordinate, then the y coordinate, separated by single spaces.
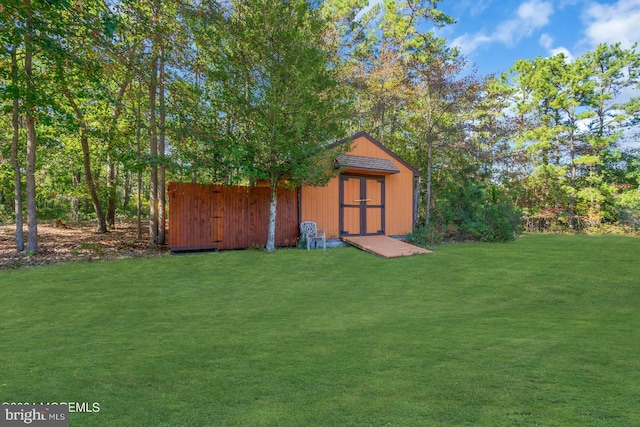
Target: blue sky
pixel 493 34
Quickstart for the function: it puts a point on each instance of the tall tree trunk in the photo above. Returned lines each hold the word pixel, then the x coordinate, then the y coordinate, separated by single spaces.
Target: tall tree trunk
pixel 416 199
pixel 112 180
pixel 273 203
pixel 32 210
pixel 86 160
pixel 128 187
pixel 17 173
pixel 112 173
pixel 153 136
pixel 572 197
pixel 138 157
pixel 419 191
pixel 427 215
pixel 162 210
pixel 139 205
pixel 74 207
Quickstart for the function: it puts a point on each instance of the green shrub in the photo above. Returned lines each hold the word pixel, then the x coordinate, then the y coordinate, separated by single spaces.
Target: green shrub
pixel 474 211
pixel 481 212
pixel 628 209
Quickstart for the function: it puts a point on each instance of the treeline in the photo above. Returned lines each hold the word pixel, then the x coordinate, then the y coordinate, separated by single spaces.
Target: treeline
pixel 104 102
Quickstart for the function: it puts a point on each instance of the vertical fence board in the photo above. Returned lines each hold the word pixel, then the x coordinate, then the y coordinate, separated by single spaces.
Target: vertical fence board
pixel 221 217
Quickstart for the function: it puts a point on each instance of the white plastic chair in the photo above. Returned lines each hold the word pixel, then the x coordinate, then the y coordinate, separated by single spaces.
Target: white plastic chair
pixel 309 231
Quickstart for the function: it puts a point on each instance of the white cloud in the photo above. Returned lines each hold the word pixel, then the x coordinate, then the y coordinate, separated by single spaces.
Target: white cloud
pixel 613 23
pixel 470 42
pixel 547 41
pixel 561 49
pixel 530 16
pixel 534 14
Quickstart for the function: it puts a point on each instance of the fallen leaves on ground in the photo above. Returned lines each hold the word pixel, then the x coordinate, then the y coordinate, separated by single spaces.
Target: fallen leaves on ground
pixel 76 242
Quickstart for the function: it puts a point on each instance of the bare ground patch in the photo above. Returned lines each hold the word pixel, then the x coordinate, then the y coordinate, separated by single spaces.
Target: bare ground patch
pixel 77 242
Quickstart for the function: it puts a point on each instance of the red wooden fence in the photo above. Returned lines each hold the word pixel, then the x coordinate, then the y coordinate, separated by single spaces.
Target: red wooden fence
pixel 221 217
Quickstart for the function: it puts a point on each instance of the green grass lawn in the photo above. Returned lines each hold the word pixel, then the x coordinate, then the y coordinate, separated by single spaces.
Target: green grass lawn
pixel 542 331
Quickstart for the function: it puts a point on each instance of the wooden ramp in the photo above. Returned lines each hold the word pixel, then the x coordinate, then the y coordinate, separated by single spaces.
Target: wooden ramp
pixel 385 246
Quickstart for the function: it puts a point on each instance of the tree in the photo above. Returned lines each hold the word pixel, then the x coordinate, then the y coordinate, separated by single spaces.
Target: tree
pixel 86 156
pixel 160 33
pixel 439 109
pixel 46 35
pixel 279 93
pixel 611 70
pixel 568 116
pixel 156 39
pixel 29 33
pixel 491 131
pixel 30 107
pixel 93 78
pixel 13 92
pixel 377 45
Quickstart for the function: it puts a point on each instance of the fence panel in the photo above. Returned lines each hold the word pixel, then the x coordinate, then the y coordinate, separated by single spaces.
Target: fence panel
pixel 220 217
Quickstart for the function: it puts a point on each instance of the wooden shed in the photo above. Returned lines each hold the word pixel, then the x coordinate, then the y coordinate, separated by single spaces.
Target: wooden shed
pixel 373 195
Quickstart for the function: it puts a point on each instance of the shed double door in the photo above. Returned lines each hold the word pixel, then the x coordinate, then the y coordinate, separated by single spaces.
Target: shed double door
pixel 361 205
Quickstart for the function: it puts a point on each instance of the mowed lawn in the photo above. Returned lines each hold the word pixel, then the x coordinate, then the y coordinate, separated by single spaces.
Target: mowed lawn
pixel 541 331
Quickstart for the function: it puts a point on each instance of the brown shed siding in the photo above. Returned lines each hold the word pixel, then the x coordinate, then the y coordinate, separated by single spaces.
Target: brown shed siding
pixel 322 204
pixel 220 217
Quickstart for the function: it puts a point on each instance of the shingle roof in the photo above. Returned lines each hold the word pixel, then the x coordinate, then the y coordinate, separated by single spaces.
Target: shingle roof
pixel 366 163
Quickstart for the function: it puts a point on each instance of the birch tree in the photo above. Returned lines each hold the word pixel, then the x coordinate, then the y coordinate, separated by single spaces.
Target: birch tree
pixel 280 93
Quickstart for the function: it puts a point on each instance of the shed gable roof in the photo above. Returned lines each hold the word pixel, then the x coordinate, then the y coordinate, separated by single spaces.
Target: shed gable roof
pixel 382 147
